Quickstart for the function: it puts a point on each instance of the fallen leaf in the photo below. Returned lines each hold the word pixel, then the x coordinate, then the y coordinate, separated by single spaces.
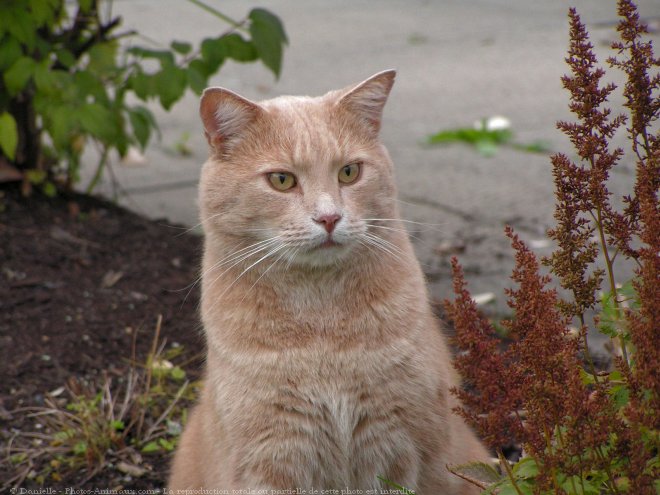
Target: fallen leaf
pixel 446 248
pixel 483 298
pixel 9 173
pixel 131 469
pixel 111 278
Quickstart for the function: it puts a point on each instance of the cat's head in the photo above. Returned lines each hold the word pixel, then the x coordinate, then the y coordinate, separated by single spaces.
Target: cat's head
pixel 299 179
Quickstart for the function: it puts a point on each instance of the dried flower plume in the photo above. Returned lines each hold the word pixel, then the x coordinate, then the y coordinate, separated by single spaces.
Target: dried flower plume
pixel 587 431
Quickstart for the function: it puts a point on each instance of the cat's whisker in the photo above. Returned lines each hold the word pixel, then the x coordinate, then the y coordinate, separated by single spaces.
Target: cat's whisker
pixel 255 247
pixel 386 242
pixel 383 245
pixel 266 256
pixel 227 258
pixel 235 258
pixel 394 229
pixel 365 244
pixel 240 259
pixel 190 229
pixel 430 226
pixel 405 231
pixel 291 255
pixel 267 270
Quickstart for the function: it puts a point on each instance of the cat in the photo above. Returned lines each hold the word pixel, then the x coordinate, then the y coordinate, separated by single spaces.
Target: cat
pixel 326 368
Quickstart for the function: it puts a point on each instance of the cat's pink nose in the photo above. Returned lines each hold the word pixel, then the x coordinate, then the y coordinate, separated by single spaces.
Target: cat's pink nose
pixel 328 221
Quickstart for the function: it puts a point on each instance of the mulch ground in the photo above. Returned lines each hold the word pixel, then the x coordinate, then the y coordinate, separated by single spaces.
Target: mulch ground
pixel 81 280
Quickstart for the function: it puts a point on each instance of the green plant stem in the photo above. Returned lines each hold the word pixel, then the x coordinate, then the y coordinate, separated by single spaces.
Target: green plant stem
pixel 587 354
pixel 150 367
pixel 608 471
pixel 509 473
pixel 99 171
pixel 217 13
pixel 548 446
pixel 610 274
pixel 560 439
pixel 166 413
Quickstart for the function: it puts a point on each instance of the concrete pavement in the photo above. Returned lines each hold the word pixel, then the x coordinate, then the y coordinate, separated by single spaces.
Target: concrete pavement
pixel 457 61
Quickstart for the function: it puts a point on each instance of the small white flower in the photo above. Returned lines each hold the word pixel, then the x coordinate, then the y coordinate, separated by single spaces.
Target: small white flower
pixel 497 123
pixel 162 365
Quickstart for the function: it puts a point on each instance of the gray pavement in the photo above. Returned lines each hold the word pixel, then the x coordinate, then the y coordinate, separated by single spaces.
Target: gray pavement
pixel 457 61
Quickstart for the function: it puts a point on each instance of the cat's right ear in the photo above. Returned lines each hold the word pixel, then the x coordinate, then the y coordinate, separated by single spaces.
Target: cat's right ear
pixel 225 116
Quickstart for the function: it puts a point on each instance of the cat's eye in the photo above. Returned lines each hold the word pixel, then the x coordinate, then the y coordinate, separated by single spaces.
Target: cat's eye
pixel 349 173
pixel 282 181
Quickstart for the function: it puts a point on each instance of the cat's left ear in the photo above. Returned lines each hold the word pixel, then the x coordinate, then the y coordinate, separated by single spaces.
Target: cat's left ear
pixel 367 99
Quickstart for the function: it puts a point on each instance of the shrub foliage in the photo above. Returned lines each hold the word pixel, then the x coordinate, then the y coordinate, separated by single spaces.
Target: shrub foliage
pixel 68 80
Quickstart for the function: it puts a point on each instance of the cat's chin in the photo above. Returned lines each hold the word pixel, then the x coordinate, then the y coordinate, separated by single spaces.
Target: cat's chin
pixel 327 254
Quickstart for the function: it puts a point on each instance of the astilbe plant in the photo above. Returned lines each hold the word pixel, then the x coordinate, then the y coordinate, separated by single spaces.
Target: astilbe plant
pixel 583 431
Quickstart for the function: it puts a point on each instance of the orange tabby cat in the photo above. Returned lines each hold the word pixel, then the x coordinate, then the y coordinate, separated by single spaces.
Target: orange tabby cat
pixel 326 368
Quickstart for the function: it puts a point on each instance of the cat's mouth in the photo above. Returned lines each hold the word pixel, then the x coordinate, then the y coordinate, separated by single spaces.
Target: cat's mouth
pixel 329 243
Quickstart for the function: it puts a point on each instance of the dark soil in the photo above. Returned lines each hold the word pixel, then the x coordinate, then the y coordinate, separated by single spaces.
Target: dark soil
pixel 80 281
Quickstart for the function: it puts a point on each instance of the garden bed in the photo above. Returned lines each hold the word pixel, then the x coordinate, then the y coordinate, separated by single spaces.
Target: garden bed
pixel 82 283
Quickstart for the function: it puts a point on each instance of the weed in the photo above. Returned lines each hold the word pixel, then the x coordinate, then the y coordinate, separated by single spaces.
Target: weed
pixel 486 136
pixel 110 425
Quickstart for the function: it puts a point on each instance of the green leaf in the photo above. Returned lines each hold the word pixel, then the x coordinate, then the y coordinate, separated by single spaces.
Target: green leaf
pixel 117 425
pixel 526 468
pixel 44 78
pixel 59 122
pixel 574 485
pixel 144 85
pixel 620 395
pixel 80 448
pixel 171 83
pixel 61 436
pixel 42 12
pixel 196 78
pixel 98 121
pixel 481 471
pixel 49 189
pixel 164 56
pixel 65 57
pixel 269 38
pixel 85 5
pixel 18 458
pixel 523 488
pixel 10 51
pixel 177 373
pixel 486 147
pixel 18 75
pixel 8 135
pixel 586 377
pixel 181 47
pixel 538 146
pixel 151 447
pixel 20 24
pixel 142 121
pixel 166 444
pixel 213 52
pixel 396 485
pixel 238 48
pixel 102 58
pixel 87 84
pixel 37 177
